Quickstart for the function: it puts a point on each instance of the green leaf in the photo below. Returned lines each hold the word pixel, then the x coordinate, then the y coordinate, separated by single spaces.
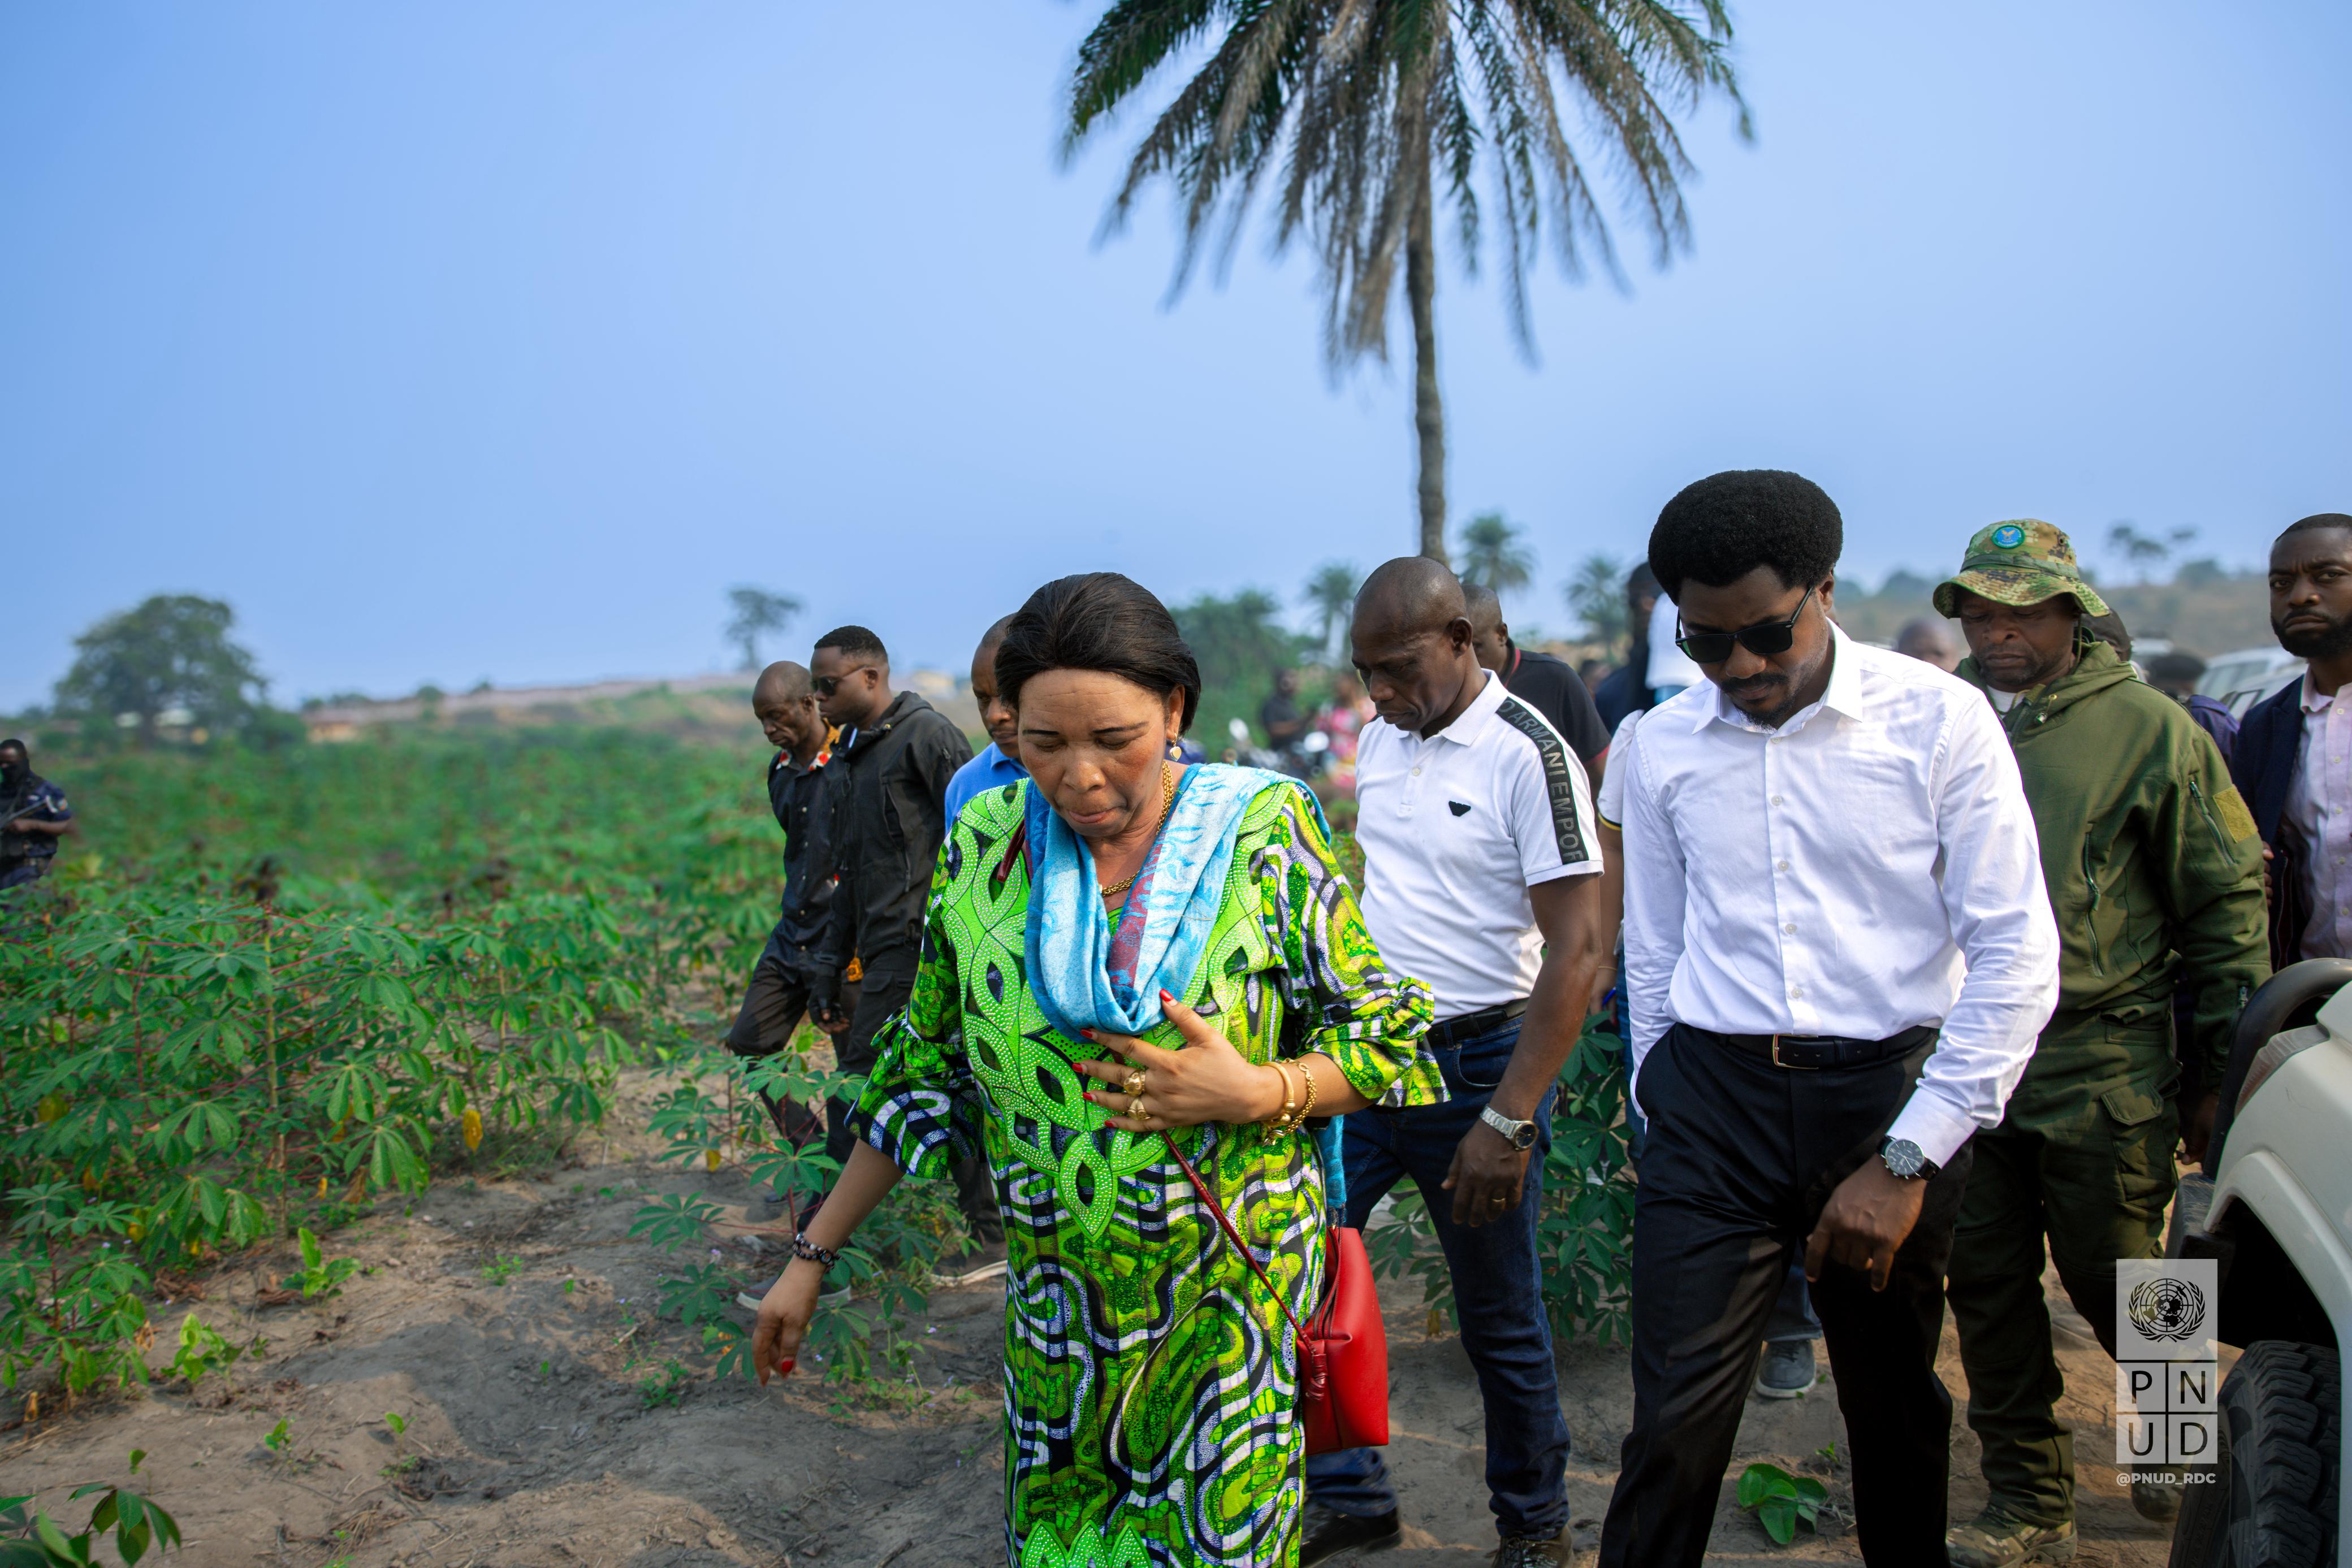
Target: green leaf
pixel 1755 1481
pixel 1779 1517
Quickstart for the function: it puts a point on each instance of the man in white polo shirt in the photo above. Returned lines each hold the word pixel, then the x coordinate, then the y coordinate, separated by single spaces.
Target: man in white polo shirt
pixel 1481 878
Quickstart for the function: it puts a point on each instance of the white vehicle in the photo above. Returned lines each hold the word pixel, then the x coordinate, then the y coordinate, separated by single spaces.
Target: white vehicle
pixel 2280 1229
pixel 2239 679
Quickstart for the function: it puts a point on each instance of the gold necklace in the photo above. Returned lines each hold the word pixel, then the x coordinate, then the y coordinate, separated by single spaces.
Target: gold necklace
pixel 1167 800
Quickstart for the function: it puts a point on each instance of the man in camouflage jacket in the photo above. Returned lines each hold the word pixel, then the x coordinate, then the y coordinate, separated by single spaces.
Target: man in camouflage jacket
pixel 2155 874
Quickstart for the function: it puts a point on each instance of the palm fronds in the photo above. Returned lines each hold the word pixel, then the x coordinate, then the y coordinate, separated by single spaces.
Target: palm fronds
pixel 1357 116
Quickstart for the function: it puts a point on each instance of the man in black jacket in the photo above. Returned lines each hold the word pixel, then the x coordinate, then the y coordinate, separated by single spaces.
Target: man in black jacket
pixel 2291 758
pixel 785 705
pixel 887 809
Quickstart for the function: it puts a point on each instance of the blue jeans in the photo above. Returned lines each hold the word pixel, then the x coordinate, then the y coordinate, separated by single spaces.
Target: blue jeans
pixel 1497 1291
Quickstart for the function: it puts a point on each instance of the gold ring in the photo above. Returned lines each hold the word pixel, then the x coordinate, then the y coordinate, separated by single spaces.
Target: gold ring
pixel 1135 1107
pixel 1133 1087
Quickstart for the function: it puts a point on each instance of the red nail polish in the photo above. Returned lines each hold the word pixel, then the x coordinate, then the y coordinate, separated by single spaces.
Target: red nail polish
pixel 1086 1034
pixel 1165 999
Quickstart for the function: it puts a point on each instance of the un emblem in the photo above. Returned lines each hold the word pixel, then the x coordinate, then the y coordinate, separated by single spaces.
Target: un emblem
pixel 2008 535
pixel 2165 1308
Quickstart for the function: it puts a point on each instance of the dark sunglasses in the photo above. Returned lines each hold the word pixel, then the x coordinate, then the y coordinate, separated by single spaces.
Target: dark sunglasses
pixel 1763 639
pixel 827 685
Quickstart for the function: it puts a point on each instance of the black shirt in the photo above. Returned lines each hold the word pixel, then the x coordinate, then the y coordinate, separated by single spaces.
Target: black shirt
pixel 1621 693
pixel 1280 719
pixel 1552 687
pixel 33 799
pixel 809 876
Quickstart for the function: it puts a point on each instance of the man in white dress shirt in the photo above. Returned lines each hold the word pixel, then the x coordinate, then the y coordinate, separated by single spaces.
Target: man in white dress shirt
pixel 1838 953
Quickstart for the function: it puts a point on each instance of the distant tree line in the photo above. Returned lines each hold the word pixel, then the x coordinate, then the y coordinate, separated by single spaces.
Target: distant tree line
pixel 166 670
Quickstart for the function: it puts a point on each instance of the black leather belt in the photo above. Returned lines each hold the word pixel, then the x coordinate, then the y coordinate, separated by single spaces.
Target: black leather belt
pixel 1470 1026
pixel 1813 1052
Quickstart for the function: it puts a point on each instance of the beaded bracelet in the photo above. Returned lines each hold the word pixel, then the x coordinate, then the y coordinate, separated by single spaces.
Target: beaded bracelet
pixel 808 1251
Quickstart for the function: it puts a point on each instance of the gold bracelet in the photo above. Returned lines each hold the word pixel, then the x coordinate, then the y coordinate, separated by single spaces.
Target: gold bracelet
pixel 1308 1108
pixel 1281 1121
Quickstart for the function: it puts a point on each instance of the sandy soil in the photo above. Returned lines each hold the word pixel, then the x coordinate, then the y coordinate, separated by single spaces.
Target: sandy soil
pixel 530 1441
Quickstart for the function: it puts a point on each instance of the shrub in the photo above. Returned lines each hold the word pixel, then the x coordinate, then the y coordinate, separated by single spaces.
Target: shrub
pixel 292 983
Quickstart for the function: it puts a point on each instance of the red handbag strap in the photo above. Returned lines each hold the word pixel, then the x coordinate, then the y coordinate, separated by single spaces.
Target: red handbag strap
pixel 1232 1235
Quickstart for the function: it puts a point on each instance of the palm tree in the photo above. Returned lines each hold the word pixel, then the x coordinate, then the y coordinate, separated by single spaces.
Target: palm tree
pixel 1331 592
pixel 1597 595
pixel 757 614
pixel 1366 108
pixel 1493 556
pixel 2145 551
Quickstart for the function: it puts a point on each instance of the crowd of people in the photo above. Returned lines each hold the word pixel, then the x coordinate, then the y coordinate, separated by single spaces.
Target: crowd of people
pixel 1925 960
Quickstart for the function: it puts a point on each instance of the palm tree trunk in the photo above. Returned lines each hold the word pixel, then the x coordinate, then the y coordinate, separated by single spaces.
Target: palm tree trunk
pixel 1428 414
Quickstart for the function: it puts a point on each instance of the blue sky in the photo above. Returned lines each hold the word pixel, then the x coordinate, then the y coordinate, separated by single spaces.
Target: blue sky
pixel 450 341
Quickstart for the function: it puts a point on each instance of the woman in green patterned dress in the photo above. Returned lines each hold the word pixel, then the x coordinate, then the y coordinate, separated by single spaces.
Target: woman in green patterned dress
pixel 1120 948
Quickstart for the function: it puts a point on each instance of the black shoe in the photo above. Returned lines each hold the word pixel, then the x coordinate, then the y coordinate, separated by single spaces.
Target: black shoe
pixel 1329 1532
pixel 1787 1371
pixel 1533 1552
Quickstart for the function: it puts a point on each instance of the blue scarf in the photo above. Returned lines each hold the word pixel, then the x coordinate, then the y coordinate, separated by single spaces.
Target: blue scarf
pixel 1088 972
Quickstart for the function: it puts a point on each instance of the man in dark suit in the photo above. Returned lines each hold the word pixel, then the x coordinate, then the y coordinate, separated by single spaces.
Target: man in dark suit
pixel 2291 759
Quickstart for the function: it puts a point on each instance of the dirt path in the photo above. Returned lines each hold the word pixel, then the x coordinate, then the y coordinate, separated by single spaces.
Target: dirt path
pixel 510 1326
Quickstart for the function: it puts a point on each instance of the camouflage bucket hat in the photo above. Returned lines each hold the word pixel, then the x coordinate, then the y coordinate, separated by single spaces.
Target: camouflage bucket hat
pixel 2020 562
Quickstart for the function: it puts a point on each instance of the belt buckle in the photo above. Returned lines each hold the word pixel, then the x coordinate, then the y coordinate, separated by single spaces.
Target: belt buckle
pixel 1791 1066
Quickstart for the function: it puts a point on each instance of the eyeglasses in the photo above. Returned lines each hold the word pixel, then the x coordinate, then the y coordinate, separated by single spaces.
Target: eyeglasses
pixel 827 685
pixel 1764 639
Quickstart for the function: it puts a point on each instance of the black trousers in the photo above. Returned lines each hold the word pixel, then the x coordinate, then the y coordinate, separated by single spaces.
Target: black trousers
pixel 773 1007
pixel 1741 1159
pixel 880 996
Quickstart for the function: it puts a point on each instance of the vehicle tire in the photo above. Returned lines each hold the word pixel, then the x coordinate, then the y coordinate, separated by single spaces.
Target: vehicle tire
pixel 2274 1503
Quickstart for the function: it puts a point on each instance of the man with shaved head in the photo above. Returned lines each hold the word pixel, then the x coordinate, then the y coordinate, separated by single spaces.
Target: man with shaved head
pixel 1544 684
pixel 999 762
pixel 1480 879
pixel 1930 640
pixel 785 704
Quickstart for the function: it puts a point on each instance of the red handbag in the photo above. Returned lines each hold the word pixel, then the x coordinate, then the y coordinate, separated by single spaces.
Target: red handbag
pixel 1343 1349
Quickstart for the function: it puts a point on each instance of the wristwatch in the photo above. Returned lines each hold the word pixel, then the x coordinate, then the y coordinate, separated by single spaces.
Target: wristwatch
pixel 1521 1133
pixel 1907 1161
